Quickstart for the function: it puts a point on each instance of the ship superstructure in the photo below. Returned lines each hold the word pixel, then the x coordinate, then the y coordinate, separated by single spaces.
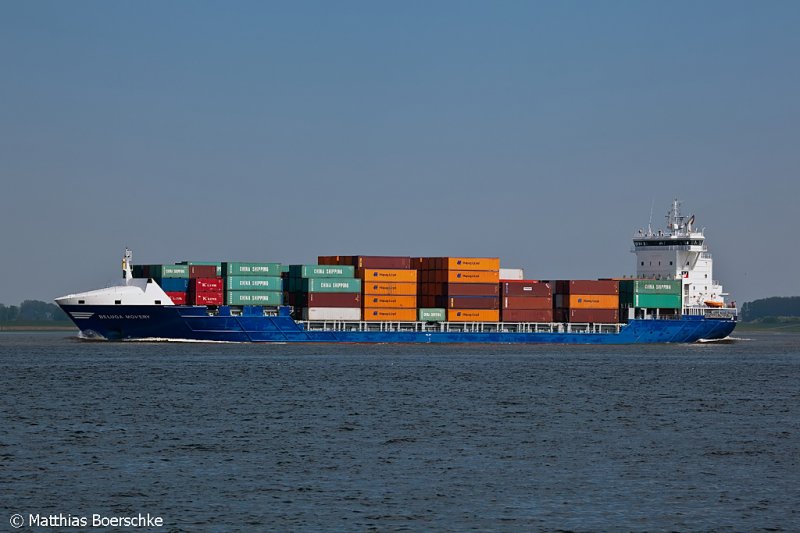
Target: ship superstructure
pixel 679 253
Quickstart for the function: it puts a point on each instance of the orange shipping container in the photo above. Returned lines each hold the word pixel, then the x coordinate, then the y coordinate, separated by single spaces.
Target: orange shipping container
pixel 385 274
pixel 384 287
pixel 377 313
pixel 594 301
pixel 472 263
pixel 473 276
pixel 390 301
pixel 473 315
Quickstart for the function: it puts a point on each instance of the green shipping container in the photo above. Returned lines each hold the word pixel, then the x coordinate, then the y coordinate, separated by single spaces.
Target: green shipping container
pixel 322 271
pixel 432 315
pixel 253 283
pixel 651 286
pixel 657 301
pixel 330 285
pixel 169 271
pixel 254 298
pixel 650 293
pixel 251 269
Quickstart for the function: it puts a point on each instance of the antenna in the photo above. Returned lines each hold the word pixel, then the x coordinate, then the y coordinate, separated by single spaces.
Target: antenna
pixel 650 222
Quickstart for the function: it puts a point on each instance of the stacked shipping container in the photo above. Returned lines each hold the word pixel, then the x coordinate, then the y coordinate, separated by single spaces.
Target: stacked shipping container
pixel 467 288
pixel 526 301
pixel 429 309
pixel 595 301
pixel 252 284
pixel 173 279
pixel 206 290
pixel 661 295
pixel 324 292
pixel 390 293
pixel 389 285
pixel 397 288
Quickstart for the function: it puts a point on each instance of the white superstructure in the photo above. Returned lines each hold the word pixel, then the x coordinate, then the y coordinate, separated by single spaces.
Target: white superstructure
pixel 135 291
pixel 680 252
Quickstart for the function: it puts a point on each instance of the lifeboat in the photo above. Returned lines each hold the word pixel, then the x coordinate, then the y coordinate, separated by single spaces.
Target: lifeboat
pixel 711 303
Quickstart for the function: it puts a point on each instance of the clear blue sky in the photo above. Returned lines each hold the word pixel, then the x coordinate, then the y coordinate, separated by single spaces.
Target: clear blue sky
pixel 538 132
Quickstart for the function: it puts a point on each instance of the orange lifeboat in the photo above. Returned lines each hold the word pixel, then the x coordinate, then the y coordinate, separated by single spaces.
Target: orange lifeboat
pixel 711 303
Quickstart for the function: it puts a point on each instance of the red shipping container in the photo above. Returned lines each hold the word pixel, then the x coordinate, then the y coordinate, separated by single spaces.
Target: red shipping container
pixel 212 284
pixel 335 260
pixel 427 288
pixel 526 315
pixel 473 289
pixel 602 316
pixel 527 302
pixel 381 261
pixel 178 298
pixel 526 288
pixel 588 286
pixel 471 302
pixel 202 271
pixel 206 298
pixel 329 299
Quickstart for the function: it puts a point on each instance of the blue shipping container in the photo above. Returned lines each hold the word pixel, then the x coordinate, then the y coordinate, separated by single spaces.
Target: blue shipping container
pixel 173 284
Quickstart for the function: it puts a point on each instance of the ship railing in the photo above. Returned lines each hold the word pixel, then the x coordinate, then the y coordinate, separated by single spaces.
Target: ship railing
pixel 728 313
pixel 460 327
pixel 703 249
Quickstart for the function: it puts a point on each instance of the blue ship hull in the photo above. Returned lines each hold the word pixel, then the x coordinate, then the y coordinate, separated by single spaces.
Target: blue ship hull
pixel 194 323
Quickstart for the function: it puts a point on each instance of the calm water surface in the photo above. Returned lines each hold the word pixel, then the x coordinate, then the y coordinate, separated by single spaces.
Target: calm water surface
pixel 226 437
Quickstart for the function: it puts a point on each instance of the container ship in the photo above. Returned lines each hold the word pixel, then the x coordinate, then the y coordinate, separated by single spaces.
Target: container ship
pixel 673 298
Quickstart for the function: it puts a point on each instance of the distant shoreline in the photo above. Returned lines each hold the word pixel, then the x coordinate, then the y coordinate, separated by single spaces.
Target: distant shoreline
pixel 42 327
pixel 755 327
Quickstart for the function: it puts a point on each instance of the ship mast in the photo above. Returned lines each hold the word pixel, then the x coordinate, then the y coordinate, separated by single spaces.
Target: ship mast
pixel 674 219
pixel 127 263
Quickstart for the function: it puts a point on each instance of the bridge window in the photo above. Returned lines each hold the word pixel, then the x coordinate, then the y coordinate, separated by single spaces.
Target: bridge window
pixel 81 301
pixel 118 302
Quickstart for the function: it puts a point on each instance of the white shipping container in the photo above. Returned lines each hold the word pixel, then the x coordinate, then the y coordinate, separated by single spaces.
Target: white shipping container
pixel 332 313
pixel 511 274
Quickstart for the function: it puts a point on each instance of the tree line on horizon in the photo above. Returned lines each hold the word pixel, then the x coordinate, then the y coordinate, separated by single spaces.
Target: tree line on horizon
pixel 32 311
pixel 768 308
